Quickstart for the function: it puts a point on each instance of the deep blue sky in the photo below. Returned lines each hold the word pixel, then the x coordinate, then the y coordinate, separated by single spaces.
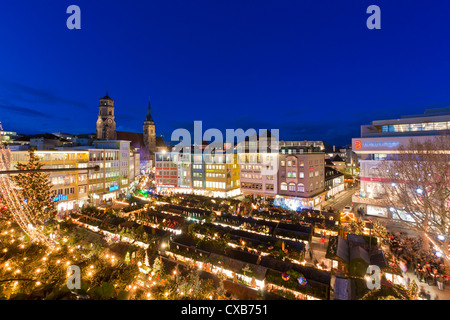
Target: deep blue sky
pixel 310 68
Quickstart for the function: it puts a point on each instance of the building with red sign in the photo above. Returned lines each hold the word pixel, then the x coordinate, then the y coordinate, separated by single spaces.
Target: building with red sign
pixel 380 141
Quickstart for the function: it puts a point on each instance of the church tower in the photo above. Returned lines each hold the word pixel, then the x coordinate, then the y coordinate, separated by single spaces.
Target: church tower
pixel 106 125
pixel 149 132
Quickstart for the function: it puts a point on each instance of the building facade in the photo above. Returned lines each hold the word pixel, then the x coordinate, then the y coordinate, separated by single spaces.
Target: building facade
pixel 222 176
pixel 259 174
pixel 301 175
pixel 334 182
pixel 70 189
pixel 380 141
pixel 166 170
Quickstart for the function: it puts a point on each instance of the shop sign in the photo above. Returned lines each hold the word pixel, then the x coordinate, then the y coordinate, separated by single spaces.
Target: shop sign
pixel 113 188
pixel 60 197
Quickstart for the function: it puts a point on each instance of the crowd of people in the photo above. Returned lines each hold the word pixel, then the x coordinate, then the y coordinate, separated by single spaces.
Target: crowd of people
pixel 415 255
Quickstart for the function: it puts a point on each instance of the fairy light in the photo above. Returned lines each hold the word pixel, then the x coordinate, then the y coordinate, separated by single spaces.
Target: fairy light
pixel 21 213
pixel 38 283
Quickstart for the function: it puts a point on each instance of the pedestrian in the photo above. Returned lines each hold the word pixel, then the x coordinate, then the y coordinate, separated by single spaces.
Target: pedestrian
pixel 322 241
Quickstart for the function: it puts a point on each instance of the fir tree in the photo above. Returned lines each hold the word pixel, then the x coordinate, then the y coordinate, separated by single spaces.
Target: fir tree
pixel 35 188
pixel 158 267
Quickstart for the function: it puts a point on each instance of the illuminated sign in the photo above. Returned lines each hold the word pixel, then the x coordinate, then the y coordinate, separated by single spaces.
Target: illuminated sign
pixel 389 144
pixel 382 144
pixel 59 197
pixel 113 188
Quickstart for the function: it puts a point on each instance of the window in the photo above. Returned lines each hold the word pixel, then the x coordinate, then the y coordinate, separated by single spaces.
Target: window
pixel 301 164
pixel 283 186
pixel 283 173
pixel 301 175
pixel 300 187
pixel 440 125
pixel 291 187
pixel 282 163
pixel 416 127
pixel 294 174
pixel 289 163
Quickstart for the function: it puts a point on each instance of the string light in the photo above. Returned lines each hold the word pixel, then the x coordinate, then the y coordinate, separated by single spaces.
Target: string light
pixel 21 213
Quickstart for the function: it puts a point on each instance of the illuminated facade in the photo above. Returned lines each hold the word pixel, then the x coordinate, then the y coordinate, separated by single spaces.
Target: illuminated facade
pixel 166 170
pixel 301 176
pixel 380 141
pixel 70 189
pixel 222 176
pixel 114 177
pixel 255 180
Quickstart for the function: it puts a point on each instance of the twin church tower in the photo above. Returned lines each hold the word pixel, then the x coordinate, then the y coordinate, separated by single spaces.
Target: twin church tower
pixel 106 125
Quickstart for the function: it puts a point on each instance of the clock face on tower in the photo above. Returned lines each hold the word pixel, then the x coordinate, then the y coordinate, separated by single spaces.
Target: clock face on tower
pixel 109 121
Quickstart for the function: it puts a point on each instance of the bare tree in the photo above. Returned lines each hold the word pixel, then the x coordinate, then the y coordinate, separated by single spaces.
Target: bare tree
pixel 417 189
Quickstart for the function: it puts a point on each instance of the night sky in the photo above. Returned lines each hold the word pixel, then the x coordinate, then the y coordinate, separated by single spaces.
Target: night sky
pixel 309 68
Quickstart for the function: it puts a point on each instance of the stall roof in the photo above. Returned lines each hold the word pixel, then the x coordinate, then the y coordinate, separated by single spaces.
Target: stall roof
pixel 358 252
pixel 342 249
pixel 236 265
pixel 275 264
pixel 342 289
pixel 356 238
pixel 378 259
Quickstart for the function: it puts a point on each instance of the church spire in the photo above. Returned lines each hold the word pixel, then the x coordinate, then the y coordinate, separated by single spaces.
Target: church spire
pixel 149 116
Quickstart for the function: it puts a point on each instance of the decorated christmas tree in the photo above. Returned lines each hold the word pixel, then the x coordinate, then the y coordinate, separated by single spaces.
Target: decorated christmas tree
pixel 35 188
pixel 158 268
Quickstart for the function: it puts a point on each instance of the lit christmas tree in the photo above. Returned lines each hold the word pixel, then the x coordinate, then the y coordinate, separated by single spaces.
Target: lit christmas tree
pixel 158 268
pixel 35 188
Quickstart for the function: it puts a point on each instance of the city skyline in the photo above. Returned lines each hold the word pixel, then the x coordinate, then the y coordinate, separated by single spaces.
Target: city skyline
pixel 297 67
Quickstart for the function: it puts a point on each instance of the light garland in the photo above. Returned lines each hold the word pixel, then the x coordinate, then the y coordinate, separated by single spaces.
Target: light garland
pixel 22 215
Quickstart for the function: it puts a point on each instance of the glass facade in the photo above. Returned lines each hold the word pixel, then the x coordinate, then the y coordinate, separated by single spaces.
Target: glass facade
pixel 410 127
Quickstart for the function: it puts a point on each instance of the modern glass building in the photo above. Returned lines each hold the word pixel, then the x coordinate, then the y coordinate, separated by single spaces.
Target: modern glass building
pixel 380 141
